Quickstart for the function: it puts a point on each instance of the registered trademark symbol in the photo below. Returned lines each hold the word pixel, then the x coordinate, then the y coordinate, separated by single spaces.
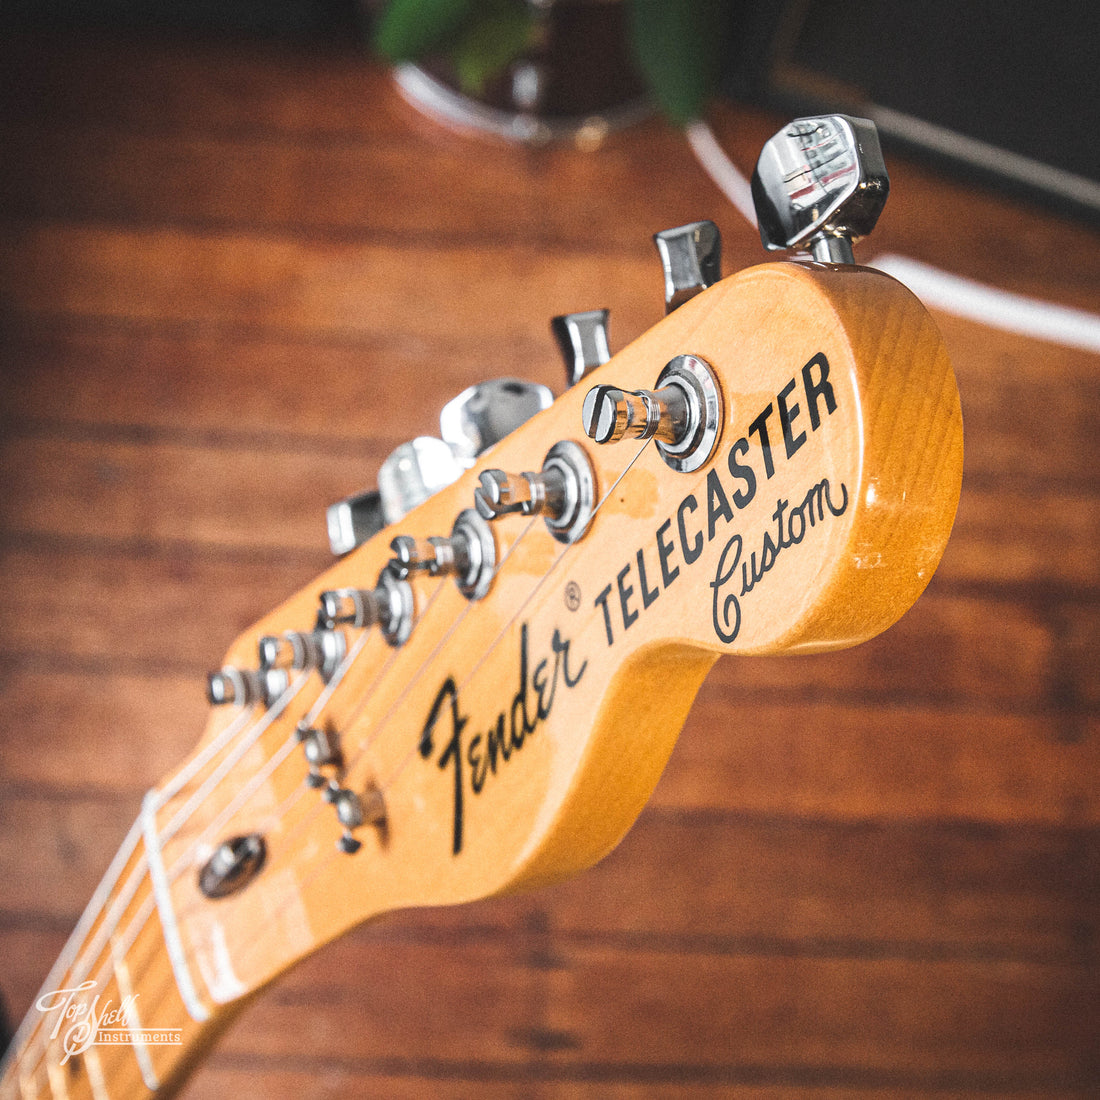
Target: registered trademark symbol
pixel 572 595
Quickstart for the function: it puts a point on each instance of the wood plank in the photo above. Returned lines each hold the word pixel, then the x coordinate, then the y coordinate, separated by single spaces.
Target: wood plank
pixel 178 606
pixel 292 286
pixel 225 495
pixel 181 380
pixel 727 884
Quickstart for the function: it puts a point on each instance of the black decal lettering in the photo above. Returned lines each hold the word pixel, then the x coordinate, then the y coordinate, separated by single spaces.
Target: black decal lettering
pixel 524 726
pixel 538 682
pixel 759 427
pixel 821 388
pixel 742 497
pixel 648 594
pixel 452 751
pixel 724 608
pixel 717 504
pixel 601 602
pixel 625 592
pixel 562 646
pixel 496 741
pixel 787 413
pixel 829 499
pixel 664 552
pixel 479 767
pixel 692 552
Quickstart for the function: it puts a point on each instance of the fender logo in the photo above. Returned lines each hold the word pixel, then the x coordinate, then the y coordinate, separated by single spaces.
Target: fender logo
pixel 477 759
pixel 790 530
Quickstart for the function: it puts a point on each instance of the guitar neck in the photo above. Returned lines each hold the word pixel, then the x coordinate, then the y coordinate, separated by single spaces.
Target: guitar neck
pixel 110 1020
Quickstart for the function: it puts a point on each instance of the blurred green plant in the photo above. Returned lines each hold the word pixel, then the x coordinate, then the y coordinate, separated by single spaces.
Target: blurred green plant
pixel 677 44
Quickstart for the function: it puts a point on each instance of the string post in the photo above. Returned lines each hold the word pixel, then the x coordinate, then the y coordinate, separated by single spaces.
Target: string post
pixel 390 606
pixel 563 492
pixel 468 554
pixel 297 651
pixel 684 414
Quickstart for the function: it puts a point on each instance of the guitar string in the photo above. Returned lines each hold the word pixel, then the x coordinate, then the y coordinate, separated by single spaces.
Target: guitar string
pixel 87 957
pixel 182 862
pixel 501 635
pixel 138 922
pixel 83 955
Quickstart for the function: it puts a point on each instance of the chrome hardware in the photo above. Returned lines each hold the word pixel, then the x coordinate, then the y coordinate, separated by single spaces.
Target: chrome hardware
pixel 234 864
pixel 691 257
pixel 241 686
pixel 353 810
pixel 582 338
pixel 390 605
pixel 353 520
pixel 484 414
pixel 319 649
pixel 820 184
pixel 413 472
pixel 684 414
pixel 468 554
pixel 469 424
pixel 564 492
pixel 322 750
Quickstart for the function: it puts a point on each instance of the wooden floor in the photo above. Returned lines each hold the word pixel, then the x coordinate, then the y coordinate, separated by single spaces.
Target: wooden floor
pixel 232 279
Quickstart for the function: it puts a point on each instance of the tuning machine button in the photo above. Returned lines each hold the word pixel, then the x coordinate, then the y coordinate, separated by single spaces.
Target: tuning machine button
pixel 563 492
pixel 582 338
pixel 684 414
pixel 483 415
pixel 390 606
pixel 691 257
pixel 468 554
pixel 820 184
pixel 353 520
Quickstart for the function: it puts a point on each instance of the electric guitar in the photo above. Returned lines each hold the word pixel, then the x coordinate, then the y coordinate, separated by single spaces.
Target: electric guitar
pixel 480 695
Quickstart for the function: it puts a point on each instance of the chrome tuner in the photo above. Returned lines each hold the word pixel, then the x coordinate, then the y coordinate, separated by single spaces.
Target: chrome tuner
pixel 563 492
pixel 684 414
pixel 319 649
pixel 582 338
pixel 390 605
pixel 820 184
pixel 241 687
pixel 691 257
pixel 468 554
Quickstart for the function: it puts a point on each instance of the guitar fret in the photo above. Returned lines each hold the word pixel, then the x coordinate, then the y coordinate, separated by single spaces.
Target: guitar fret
pixel 133 1020
pixel 163 895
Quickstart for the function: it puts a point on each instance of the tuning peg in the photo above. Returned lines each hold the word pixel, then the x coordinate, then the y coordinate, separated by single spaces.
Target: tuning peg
pixel 468 554
pixel 564 492
pixel 684 414
pixel 320 649
pixel 484 414
pixel 582 338
pixel 820 183
pixel 243 686
pixel 691 256
pixel 390 605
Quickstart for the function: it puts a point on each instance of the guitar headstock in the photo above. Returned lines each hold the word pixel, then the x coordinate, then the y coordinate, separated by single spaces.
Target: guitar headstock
pixel 483 694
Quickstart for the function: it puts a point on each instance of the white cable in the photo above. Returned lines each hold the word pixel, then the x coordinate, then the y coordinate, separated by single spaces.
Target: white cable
pixel 1012 312
pixel 725 174
pixel 950 293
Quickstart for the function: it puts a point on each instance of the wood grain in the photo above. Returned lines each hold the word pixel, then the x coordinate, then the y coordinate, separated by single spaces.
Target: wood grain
pixel 232 279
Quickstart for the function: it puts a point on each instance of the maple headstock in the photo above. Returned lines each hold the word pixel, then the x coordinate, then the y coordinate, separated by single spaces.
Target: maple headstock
pixel 513 735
